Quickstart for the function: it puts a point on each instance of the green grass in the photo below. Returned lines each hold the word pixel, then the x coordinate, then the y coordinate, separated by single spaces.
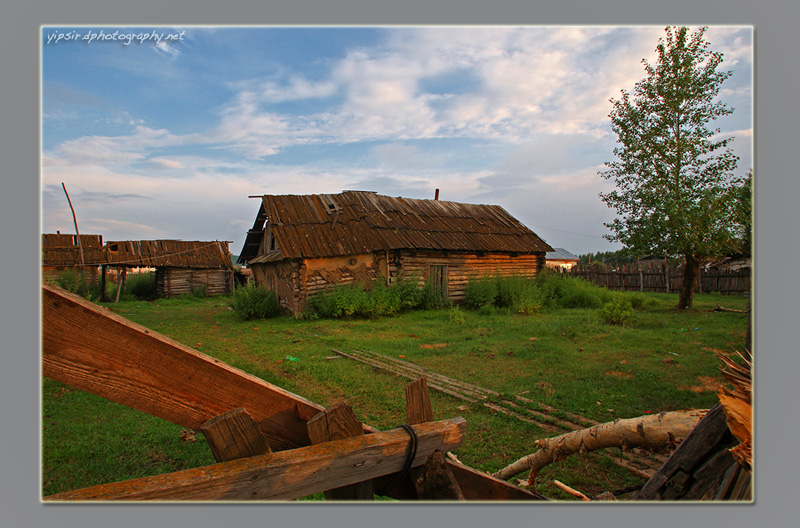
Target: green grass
pixel 572 359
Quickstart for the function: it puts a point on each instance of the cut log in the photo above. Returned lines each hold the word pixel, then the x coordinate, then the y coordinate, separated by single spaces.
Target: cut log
pixel 285 475
pixel 657 431
pixel 233 435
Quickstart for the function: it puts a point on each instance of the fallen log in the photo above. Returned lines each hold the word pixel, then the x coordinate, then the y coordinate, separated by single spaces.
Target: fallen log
pixel 657 431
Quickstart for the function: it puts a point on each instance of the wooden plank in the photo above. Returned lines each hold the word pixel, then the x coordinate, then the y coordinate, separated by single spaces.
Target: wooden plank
pixel 479 486
pixel 418 402
pixel 93 349
pixel 287 474
pixel 336 423
pixel 233 435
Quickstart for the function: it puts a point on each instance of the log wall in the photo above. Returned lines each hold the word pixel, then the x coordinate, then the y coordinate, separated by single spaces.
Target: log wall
pixel 171 282
pixel 296 280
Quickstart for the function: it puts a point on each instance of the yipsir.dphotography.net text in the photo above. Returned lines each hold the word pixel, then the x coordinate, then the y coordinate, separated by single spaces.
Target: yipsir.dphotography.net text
pixel 124 37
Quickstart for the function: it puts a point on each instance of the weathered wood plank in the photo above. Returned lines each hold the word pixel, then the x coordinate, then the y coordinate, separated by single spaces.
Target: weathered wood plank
pixel 478 486
pixel 233 435
pixel 418 402
pixel 336 423
pixel 93 349
pixel 285 475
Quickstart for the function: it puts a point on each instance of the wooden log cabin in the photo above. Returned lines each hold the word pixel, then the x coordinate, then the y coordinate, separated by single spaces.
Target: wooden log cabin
pixel 181 266
pixel 300 245
pixel 64 252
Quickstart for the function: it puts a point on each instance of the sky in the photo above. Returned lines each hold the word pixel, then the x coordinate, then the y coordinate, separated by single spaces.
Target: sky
pixel 166 132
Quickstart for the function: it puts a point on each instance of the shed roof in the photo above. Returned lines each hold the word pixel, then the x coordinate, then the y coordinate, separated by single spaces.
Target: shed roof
pixel 168 253
pixel 63 250
pixel 560 254
pixel 355 222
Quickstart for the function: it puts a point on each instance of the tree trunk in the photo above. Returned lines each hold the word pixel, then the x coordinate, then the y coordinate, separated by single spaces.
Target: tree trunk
pixel 656 431
pixel 690 274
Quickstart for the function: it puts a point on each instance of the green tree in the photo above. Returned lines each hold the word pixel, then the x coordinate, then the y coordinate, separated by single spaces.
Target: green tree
pixel 675 194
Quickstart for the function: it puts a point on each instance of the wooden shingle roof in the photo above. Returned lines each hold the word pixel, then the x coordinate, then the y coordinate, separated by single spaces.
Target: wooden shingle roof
pixel 63 250
pixel 354 222
pixel 168 253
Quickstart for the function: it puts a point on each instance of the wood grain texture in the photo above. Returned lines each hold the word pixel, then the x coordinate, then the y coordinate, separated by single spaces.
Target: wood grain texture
pixel 92 349
pixel 336 423
pixel 284 475
pixel 233 435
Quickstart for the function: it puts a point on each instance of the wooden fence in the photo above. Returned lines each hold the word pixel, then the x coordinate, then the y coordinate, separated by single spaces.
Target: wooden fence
pixel 660 276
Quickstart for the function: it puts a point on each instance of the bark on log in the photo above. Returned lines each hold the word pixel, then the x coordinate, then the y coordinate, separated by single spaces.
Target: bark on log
pixel 655 431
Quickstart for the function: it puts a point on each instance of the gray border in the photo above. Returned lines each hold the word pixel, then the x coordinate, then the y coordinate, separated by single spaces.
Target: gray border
pixel 776 89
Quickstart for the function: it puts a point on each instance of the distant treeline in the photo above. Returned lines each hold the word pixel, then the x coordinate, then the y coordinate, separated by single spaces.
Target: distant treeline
pixel 622 256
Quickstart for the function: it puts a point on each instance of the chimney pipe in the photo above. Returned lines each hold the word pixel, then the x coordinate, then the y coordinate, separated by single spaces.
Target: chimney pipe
pixel 436 196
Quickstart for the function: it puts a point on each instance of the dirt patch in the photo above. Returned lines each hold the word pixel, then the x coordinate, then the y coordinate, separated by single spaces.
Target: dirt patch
pixel 437 345
pixel 707 384
pixel 619 374
pixel 546 388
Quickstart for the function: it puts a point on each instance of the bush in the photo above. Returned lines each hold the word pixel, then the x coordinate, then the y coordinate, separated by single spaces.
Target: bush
pixel 79 283
pixel 252 302
pixel 617 311
pixel 480 292
pixel 560 291
pixel 515 294
pixel 377 299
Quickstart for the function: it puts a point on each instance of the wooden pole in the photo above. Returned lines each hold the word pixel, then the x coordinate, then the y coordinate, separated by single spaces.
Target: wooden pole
pixel 75 220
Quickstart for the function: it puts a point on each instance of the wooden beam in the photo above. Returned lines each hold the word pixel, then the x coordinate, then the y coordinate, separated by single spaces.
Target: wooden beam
pixel 233 435
pixel 336 423
pixel 418 402
pixel 95 350
pixel 287 474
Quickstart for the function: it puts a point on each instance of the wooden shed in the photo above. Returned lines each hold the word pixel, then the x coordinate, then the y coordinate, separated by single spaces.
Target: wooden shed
pixel 61 252
pixel 560 258
pixel 180 266
pixel 303 244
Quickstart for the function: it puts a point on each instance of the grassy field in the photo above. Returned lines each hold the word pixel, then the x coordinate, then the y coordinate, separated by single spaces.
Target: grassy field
pixel 570 359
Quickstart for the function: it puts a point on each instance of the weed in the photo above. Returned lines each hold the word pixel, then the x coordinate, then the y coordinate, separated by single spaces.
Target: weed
pixel 253 302
pixel 617 311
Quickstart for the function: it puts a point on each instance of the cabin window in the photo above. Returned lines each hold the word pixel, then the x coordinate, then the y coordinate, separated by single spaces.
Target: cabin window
pixel 438 278
pixel 271 242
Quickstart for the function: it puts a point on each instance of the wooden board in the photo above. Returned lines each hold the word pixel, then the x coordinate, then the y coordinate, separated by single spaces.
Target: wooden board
pixel 91 348
pixel 285 475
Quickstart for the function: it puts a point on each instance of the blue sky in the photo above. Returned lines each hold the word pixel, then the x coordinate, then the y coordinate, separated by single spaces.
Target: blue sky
pixel 165 132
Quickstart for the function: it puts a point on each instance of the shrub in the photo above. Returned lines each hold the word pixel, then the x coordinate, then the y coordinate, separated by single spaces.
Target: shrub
pixel 457 316
pixel 358 300
pixel 617 311
pixel 253 302
pixel 79 283
pixel 480 292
